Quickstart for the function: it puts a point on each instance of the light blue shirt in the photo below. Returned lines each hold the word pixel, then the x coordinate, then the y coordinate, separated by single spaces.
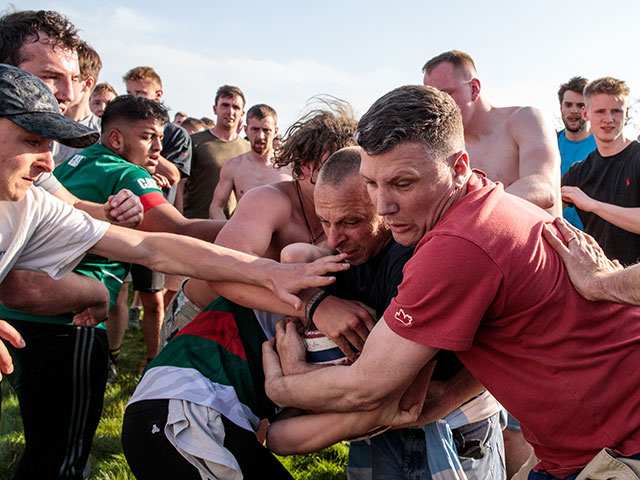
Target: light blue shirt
pixel 570 153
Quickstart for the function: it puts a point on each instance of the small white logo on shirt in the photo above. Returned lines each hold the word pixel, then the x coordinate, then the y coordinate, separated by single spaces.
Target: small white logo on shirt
pixel 147 183
pixel 75 160
pixel 155 429
pixel 404 318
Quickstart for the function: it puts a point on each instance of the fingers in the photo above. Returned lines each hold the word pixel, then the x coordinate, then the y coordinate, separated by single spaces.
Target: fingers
pixel 554 241
pixel 11 334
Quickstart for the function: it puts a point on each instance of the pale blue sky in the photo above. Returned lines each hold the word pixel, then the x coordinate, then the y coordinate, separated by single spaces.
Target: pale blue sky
pixel 282 53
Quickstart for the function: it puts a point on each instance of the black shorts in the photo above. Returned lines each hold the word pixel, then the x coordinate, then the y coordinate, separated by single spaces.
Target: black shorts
pixel 145 280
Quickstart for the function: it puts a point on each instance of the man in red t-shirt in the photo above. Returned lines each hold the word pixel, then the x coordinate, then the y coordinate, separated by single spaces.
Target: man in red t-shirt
pixel 496 293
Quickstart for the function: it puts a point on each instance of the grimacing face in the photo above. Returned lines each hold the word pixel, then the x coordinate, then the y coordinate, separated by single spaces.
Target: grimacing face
pixel 141 143
pixel 261 133
pixel 410 190
pixel 349 220
pixel 23 156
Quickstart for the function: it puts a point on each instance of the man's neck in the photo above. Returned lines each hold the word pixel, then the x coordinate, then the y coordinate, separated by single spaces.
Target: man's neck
pixel 264 159
pixel 224 134
pixel 78 112
pixel 579 135
pixel 478 124
pixel 608 149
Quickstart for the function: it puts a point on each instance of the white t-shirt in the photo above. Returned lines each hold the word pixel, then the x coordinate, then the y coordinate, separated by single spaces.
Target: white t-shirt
pixel 44 234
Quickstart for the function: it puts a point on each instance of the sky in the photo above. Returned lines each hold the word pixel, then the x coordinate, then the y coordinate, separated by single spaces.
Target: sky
pixel 283 53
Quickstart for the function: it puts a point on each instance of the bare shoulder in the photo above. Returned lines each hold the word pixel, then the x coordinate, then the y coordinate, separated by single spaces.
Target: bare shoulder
pixel 235 163
pixel 275 197
pixel 525 117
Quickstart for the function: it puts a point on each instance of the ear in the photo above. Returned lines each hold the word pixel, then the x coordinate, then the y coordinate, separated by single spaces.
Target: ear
pixel 275 131
pixel 626 114
pixel 215 110
pixel 159 94
pixel 461 168
pixel 115 139
pixel 585 115
pixel 88 84
pixel 475 88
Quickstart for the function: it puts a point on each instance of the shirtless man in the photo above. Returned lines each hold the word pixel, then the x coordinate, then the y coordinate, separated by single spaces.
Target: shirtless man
pixel 512 145
pixel 273 216
pixel 251 169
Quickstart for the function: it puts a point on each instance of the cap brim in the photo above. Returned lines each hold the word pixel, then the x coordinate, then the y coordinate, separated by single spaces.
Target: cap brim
pixel 56 127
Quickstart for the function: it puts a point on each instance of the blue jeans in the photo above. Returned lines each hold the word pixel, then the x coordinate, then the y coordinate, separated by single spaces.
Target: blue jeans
pixel 401 454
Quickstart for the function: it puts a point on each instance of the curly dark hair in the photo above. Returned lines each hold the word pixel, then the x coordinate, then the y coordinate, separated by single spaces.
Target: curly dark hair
pixel 320 132
pixel 19 27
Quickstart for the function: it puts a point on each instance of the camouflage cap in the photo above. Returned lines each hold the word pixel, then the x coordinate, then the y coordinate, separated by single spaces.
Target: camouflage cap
pixel 29 103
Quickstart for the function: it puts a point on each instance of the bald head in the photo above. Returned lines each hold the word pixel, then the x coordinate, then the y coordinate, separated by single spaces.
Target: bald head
pixel 341 166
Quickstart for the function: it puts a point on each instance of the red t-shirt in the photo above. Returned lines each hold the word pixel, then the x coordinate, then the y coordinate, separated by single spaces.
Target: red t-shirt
pixel 485 284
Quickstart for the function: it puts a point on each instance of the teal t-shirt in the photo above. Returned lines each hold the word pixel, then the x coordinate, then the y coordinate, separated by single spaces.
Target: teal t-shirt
pixel 94 174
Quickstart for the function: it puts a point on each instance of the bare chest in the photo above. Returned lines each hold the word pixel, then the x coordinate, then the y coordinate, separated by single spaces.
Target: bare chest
pixel 251 176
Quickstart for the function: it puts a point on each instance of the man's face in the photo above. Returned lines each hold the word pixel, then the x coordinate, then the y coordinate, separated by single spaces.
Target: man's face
pixel 23 156
pixel 457 82
pixel 571 111
pixel 99 101
pixel 410 189
pixel 229 112
pixel 607 115
pixel 261 133
pixel 141 143
pixel 56 67
pixel 350 221
pixel 147 90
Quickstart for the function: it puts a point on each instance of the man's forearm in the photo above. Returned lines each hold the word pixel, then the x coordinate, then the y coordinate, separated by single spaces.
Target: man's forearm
pixel 623 217
pixel 622 286
pixel 38 294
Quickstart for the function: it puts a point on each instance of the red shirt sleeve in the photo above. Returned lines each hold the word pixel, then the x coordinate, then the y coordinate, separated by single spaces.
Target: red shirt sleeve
pixel 449 286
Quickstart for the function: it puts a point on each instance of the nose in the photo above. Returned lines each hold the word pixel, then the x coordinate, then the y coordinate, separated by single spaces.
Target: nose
pixel 335 237
pixel 64 90
pixel 385 205
pixel 44 163
pixel 156 144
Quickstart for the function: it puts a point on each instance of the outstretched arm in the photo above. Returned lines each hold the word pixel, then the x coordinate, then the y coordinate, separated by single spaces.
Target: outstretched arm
pixel 123 208
pixel 626 218
pixel 182 255
pixel 539 160
pixel 593 275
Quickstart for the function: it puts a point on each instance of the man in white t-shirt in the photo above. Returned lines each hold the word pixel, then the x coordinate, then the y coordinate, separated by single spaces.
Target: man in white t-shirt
pixel 39 232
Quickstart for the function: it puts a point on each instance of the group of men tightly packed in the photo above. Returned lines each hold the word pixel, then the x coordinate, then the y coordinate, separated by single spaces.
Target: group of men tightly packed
pixel 430 295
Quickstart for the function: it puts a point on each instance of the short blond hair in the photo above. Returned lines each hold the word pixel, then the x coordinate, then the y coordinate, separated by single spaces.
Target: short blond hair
pixel 607 85
pixel 143 74
pixel 457 58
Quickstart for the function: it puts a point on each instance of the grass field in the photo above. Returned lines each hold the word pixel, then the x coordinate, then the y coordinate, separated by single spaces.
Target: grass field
pixel 107 459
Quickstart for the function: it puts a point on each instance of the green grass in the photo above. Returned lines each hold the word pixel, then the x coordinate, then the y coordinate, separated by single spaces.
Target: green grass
pixel 107 459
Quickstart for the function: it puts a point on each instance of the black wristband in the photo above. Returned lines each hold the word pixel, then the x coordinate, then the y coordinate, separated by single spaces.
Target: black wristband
pixel 313 303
